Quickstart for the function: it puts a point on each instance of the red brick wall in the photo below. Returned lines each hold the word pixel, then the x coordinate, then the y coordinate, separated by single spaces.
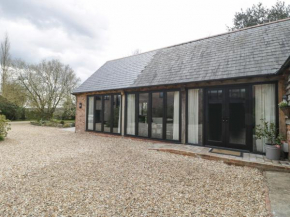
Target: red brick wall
pixel 81 113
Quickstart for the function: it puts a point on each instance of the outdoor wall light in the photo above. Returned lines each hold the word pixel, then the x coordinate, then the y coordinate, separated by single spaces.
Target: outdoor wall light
pixel 80 105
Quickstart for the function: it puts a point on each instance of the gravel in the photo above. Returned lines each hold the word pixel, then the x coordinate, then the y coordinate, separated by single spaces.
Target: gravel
pixel 50 172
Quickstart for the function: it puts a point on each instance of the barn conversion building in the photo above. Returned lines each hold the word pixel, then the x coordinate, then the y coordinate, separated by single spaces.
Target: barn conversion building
pixel 210 92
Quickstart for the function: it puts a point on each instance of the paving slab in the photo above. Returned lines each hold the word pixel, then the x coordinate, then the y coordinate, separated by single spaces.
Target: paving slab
pixel 279 193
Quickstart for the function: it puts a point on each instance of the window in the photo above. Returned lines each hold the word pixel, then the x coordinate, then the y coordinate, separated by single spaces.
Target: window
pixel 90 118
pixel 154 115
pixel 157 116
pixel 107 113
pixel 98 113
pixel 104 113
pixel 117 114
pixel 143 115
pixel 195 114
pixel 264 108
pixel 172 113
pixel 130 114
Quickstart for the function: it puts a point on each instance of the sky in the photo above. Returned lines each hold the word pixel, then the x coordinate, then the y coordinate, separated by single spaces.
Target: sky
pixel 86 33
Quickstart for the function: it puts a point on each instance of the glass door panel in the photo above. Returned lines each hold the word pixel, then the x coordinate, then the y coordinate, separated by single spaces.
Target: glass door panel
pixel 107 113
pixel 172 113
pixel 117 114
pixel 143 115
pixel 237 116
pixel 215 115
pixel 90 124
pixel 157 115
pixel 98 113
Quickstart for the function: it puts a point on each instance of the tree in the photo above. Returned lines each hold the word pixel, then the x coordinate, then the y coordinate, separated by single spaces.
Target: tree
pixel 69 106
pixel 15 93
pixel 5 62
pixel 259 14
pixel 47 84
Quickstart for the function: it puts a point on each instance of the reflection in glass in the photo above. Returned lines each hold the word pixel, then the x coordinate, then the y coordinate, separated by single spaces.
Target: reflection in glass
pixel 143 115
pixel 157 115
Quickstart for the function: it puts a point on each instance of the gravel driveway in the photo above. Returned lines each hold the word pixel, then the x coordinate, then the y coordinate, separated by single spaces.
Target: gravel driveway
pixel 50 172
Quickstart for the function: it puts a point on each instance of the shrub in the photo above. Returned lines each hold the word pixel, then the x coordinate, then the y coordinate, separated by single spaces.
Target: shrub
pixel 66 125
pixel 283 104
pixel 4 127
pixel 10 110
pixel 35 123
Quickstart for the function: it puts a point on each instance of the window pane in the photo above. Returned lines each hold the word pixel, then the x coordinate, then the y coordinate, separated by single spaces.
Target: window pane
pixel 157 115
pixel 195 116
pixel 172 120
pixel 117 114
pixel 91 113
pixel 130 114
pixel 143 115
pixel 237 116
pixel 98 113
pixel 107 113
pixel 264 108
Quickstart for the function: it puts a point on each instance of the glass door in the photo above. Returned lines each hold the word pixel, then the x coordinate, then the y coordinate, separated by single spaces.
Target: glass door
pixel 227 110
pixel 236 117
pixel 215 109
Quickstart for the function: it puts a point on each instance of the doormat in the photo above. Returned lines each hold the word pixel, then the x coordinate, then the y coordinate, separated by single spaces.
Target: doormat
pixel 226 152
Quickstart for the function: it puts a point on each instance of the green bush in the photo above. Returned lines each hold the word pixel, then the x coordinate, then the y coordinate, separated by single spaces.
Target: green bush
pixel 66 125
pixel 4 127
pixel 10 110
pixel 35 123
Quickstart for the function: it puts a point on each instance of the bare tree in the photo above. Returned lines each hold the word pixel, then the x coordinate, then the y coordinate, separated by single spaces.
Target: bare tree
pixel 136 51
pixel 47 84
pixel 5 62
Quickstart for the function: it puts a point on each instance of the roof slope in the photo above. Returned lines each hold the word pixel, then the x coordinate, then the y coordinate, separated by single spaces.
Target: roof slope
pixel 260 50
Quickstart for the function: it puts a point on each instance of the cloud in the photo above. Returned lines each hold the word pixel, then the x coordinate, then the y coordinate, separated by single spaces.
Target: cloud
pixel 87 33
pixel 53 29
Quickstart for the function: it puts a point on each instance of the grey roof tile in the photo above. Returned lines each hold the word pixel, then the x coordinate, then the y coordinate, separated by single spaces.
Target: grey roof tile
pixel 249 52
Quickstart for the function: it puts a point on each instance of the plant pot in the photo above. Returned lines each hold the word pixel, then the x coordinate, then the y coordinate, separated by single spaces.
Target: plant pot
pixel 272 152
pixel 286 110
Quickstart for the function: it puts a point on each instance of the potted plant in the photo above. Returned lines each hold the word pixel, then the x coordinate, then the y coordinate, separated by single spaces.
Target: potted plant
pixel 285 108
pixel 274 140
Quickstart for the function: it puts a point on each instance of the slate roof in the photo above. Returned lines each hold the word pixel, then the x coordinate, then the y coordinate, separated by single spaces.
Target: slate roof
pixel 254 51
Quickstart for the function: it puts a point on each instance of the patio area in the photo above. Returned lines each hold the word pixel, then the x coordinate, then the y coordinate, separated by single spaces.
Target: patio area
pixel 247 159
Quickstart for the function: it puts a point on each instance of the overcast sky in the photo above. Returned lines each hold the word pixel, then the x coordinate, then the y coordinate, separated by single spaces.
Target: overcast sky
pixel 87 33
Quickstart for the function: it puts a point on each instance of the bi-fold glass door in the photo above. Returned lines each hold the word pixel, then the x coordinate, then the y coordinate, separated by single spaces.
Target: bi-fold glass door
pixel 104 113
pixel 153 114
pixel 228 117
